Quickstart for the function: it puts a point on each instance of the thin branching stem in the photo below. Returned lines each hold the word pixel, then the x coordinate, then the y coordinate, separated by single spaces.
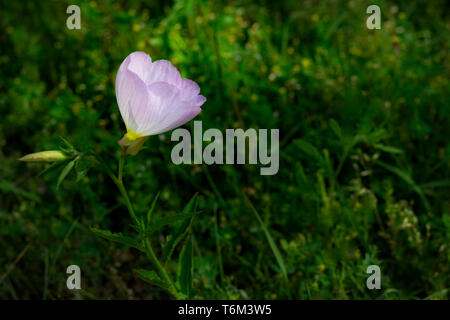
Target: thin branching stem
pixel 121 164
pixel 162 272
pixel 148 248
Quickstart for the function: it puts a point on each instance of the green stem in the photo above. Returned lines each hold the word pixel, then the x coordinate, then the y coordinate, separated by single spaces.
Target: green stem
pixel 124 194
pixel 148 248
pixel 119 183
pixel 162 272
pixel 121 164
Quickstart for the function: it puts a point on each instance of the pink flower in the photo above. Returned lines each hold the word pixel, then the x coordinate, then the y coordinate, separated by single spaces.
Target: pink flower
pixel 153 98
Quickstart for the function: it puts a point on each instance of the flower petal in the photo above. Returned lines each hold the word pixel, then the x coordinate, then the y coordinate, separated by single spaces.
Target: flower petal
pixel 168 110
pixel 140 63
pixel 132 96
pixel 152 96
pixel 181 118
pixel 198 101
pixel 189 89
pixel 163 71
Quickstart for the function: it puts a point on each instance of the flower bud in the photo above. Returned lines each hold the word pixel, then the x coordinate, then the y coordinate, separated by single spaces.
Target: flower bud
pixel 45 156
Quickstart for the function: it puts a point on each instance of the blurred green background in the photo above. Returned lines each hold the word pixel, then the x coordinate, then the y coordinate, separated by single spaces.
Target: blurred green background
pixel 364 124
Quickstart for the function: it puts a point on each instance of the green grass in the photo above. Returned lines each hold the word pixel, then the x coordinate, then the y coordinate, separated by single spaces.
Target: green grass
pixel 364 148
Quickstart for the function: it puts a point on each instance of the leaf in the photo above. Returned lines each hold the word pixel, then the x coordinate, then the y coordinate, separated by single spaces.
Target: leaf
pixel 68 147
pixel 302 180
pixel 152 278
pixel 82 167
pixel 65 172
pixel 387 149
pixel 190 207
pixel 185 273
pixel 272 244
pixel 180 230
pixel 117 237
pixel 436 184
pixel 52 167
pixel 336 128
pixel 152 208
pixel 164 221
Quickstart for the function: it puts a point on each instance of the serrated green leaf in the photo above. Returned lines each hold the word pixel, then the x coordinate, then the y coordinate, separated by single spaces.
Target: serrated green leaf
pixel 65 172
pixel 185 273
pixel 152 208
pixel 117 237
pixel 152 278
pixel 168 220
pixel 180 230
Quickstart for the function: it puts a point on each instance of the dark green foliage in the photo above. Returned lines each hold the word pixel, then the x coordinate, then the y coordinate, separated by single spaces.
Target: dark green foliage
pixel 152 278
pixel 185 274
pixel 117 237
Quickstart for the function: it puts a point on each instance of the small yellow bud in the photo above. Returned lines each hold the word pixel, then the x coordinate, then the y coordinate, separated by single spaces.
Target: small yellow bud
pixel 44 156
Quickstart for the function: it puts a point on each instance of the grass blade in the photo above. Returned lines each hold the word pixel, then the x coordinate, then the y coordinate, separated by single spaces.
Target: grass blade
pixel 65 172
pixel 152 208
pixel 185 272
pixel 273 246
pixel 181 229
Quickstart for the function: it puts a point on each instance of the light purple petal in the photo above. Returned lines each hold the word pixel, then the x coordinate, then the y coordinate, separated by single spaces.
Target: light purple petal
pixel 168 108
pixel 182 118
pixel 198 101
pixel 163 71
pixel 189 90
pixel 140 63
pixel 132 97
pixel 163 97
pixel 152 96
